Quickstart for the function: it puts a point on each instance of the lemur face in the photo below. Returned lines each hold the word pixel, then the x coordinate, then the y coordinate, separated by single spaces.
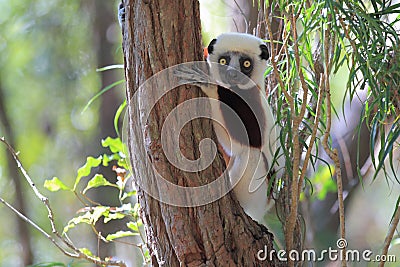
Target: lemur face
pixel 240 57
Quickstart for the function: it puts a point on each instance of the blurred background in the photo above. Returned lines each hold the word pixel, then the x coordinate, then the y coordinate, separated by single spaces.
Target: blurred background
pixel 49 53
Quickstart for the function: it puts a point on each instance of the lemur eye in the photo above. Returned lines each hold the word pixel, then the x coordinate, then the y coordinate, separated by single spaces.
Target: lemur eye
pixel 247 63
pixel 222 61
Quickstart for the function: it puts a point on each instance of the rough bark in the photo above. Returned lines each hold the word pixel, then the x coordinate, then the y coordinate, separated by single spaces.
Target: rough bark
pixel 156 35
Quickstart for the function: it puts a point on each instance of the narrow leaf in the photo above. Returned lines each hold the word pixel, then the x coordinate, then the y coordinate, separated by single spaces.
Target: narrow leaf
pixel 118 115
pixel 48 264
pixel 105 89
pixel 110 67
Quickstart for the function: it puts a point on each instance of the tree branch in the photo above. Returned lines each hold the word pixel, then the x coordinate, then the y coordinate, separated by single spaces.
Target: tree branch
pixel 76 252
pixel 389 236
pixel 333 154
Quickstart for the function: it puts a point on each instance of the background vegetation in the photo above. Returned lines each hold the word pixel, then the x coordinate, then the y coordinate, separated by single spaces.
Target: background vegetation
pixel 50 51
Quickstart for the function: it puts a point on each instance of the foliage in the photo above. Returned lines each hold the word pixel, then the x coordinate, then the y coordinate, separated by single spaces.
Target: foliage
pixel 318 38
pixel 47 73
pixel 357 34
pixel 321 183
pixel 373 54
pixel 92 212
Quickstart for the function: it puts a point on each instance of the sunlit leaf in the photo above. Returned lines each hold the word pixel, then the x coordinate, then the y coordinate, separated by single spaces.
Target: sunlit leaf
pixel 114 144
pixel 86 169
pixel 134 226
pixel 55 184
pixel 126 207
pixel 114 216
pixel 118 115
pixel 86 251
pixel 85 218
pixel 120 234
pixel 110 67
pixel 47 264
pixel 128 194
pixel 97 181
pixel 98 212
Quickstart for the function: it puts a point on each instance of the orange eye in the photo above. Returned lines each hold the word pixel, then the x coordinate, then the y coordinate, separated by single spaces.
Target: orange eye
pixel 247 64
pixel 222 61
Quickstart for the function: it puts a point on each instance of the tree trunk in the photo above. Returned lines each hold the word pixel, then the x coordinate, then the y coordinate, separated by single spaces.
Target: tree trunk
pixel 156 35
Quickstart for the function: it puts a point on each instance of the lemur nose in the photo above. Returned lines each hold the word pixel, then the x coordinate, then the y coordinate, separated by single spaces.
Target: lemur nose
pixel 232 75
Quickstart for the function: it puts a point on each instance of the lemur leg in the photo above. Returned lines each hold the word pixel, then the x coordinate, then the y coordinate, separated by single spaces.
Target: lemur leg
pixel 252 188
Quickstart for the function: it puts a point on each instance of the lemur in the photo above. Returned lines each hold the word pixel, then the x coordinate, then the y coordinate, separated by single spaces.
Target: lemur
pixel 243 122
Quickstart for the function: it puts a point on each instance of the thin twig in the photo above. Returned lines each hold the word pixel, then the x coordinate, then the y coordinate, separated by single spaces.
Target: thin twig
pixel 299 66
pixel 347 34
pixel 243 15
pixel 291 220
pixel 275 68
pixel 389 236
pixel 37 227
pixel 333 154
pixel 296 120
pixel 313 133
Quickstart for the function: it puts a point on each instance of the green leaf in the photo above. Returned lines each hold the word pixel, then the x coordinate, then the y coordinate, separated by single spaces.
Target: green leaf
pixel 47 264
pixel 114 144
pixel 86 169
pixel 128 194
pixel 114 216
pixel 118 115
pixel 110 67
pixel 322 181
pixel 85 218
pixel 97 181
pixel 86 251
pixel 98 212
pixel 55 184
pixel 136 209
pixel 147 255
pixel 126 207
pixel 134 226
pixel 90 217
pixel 108 158
pixel 120 234
pixel 105 89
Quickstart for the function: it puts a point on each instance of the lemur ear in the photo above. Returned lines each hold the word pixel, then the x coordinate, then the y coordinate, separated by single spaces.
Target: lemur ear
pixel 264 52
pixel 210 47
